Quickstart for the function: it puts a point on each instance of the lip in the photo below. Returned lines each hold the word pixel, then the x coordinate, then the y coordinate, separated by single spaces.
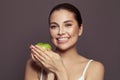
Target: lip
pixel 62 40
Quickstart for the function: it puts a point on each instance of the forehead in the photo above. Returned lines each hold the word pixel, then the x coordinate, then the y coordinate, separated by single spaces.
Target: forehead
pixel 61 14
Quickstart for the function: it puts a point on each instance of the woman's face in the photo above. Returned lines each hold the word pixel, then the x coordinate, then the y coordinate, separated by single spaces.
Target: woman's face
pixel 64 29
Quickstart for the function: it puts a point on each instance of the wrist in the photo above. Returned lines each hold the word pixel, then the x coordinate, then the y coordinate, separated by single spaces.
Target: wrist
pixel 62 74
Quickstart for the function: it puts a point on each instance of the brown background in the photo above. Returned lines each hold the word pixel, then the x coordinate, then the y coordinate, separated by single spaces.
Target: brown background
pixel 24 22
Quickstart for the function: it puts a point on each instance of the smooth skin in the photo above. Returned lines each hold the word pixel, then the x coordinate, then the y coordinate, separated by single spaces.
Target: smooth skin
pixel 65 63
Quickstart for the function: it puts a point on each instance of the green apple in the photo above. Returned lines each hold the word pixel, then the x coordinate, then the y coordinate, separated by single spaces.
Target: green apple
pixel 44 45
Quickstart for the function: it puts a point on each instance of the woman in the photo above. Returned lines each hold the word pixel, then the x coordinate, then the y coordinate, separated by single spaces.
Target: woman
pixel 65 63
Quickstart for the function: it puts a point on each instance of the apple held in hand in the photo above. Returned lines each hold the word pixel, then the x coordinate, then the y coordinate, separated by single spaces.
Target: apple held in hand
pixel 44 45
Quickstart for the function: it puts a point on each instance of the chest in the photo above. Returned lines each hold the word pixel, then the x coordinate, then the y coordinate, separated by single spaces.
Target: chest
pixel 75 71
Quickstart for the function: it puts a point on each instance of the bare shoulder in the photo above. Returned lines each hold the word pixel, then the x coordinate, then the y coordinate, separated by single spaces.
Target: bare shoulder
pixel 31 70
pixel 95 71
pixel 97 65
pixel 32 65
pixel 28 62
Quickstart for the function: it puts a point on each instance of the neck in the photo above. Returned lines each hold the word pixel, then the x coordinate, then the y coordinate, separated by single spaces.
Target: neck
pixel 69 55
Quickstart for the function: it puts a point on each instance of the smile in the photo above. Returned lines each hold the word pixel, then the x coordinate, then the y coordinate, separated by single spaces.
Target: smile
pixel 62 39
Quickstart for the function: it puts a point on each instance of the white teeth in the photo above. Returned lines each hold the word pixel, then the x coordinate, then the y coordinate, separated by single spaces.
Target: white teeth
pixel 62 39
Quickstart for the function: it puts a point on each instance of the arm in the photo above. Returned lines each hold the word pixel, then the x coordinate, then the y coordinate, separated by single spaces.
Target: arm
pixel 30 71
pixel 95 71
pixel 62 75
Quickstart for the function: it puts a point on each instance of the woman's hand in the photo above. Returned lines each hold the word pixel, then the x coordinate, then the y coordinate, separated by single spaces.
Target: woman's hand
pixel 50 61
pixel 47 58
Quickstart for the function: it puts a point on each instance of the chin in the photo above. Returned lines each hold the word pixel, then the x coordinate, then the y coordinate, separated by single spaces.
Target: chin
pixel 61 49
pixel 65 48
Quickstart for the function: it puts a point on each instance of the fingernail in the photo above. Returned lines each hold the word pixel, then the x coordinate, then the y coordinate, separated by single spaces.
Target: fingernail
pixel 31 46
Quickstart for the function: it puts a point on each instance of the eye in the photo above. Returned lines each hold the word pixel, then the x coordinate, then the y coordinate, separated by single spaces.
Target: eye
pixel 68 25
pixel 53 26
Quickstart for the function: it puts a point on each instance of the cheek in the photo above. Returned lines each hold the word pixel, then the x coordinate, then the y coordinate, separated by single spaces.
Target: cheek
pixel 53 37
pixel 74 32
pixel 52 34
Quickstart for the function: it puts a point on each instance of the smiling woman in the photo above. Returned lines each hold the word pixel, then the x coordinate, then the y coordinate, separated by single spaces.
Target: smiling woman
pixel 65 63
pixel 64 29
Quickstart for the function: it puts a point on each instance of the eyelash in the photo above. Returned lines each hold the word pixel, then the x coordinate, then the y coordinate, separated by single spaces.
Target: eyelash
pixel 67 25
pixel 53 27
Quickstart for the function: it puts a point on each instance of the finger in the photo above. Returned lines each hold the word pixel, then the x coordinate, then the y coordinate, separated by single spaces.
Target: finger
pixel 40 61
pixel 35 59
pixel 42 51
pixel 47 52
pixel 40 48
pixel 32 57
pixel 39 54
pixel 36 50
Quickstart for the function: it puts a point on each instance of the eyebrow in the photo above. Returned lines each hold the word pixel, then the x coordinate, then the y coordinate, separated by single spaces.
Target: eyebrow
pixel 53 23
pixel 68 21
pixel 64 22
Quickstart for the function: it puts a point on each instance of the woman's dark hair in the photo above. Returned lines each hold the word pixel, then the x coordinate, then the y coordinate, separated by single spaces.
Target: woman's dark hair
pixel 71 8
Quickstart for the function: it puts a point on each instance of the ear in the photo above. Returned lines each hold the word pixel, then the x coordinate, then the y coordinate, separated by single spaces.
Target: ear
pixel 81 30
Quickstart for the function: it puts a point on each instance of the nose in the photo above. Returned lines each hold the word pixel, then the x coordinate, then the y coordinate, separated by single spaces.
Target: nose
pixel 61 31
